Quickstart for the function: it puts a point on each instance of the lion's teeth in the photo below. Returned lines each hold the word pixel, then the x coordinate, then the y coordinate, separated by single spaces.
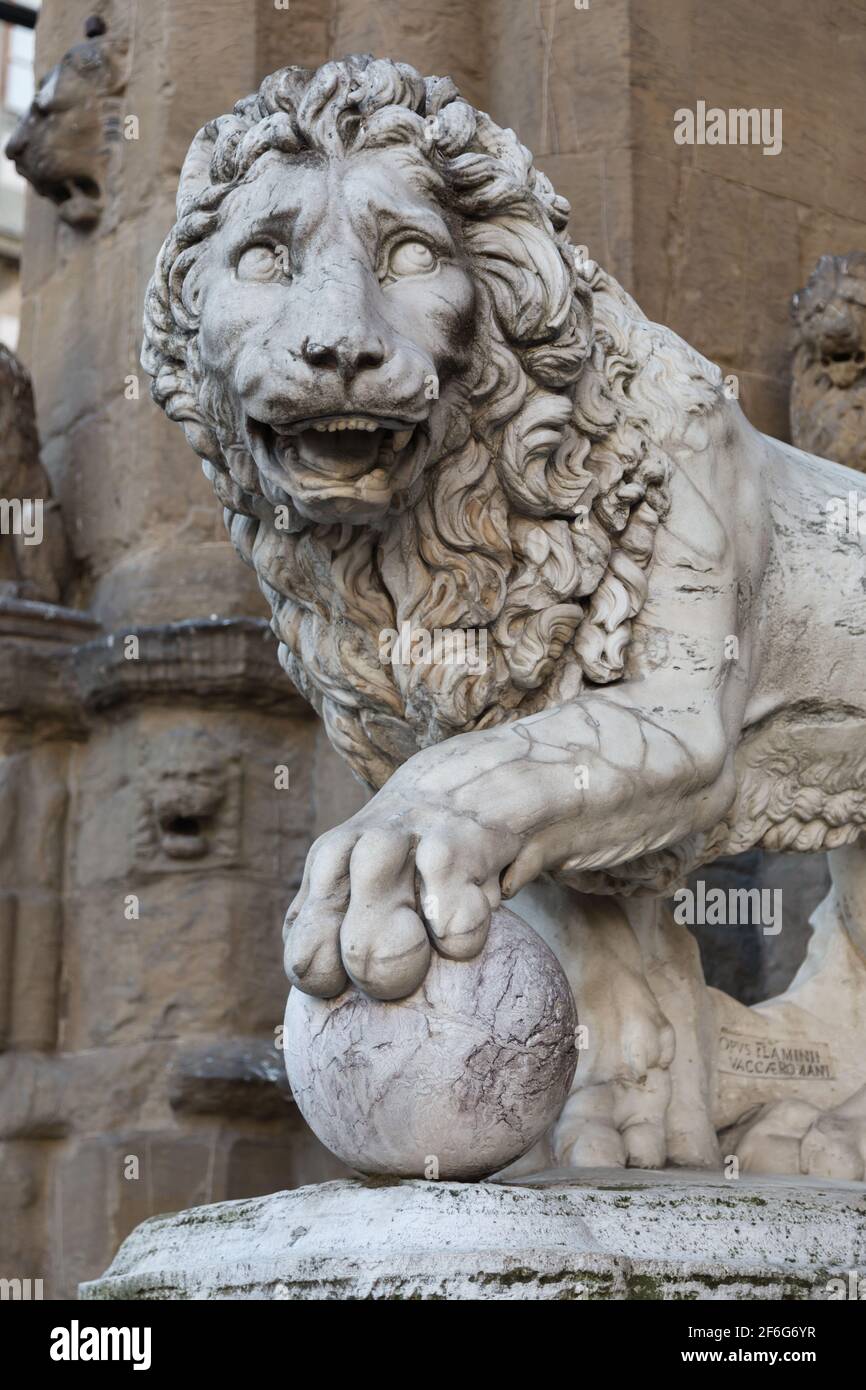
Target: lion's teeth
pixel 401 439
pixel 348 424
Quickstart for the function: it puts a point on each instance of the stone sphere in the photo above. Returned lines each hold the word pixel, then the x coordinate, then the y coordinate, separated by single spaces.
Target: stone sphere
pixel 455 1081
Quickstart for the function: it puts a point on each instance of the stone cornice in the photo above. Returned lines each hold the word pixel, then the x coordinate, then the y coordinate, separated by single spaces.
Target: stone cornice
pixel 57 662
pixel 36 640
pixel 226 659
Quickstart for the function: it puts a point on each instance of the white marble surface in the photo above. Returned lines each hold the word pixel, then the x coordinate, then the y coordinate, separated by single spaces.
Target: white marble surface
pixel 455 1081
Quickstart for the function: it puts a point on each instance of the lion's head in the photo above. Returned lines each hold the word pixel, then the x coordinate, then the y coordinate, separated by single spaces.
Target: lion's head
pixel 828 394
pixel 61 145
pixel 421 407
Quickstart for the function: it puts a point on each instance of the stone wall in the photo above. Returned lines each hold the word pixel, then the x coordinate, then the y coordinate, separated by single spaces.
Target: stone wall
pixel 155 814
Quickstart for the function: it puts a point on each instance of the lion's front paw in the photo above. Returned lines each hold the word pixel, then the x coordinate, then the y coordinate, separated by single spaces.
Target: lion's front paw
pixel 382 889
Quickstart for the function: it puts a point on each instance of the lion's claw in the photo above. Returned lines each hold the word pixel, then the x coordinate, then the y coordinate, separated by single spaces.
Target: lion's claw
pixel 381 891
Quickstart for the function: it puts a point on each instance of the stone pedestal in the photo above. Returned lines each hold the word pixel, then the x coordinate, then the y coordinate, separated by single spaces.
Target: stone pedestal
pixel 602 1235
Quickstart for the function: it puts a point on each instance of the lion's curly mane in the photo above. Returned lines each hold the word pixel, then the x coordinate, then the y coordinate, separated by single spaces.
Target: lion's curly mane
pixel 538 526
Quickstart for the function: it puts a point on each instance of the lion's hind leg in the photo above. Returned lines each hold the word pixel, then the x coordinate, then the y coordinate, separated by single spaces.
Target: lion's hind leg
pixel 616 1115
pixel 617 1124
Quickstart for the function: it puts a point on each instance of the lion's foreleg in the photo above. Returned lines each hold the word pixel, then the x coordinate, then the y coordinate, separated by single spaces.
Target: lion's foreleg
pixel 604 780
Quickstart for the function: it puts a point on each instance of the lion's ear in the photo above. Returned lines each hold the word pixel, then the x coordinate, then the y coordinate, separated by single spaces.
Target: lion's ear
pixel 195 174
pixel 526 275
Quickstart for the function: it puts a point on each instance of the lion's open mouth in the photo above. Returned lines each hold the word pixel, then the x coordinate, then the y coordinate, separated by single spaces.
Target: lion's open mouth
pixel 336 449
pixel 78 197
pixel 843 367
pixel 78 186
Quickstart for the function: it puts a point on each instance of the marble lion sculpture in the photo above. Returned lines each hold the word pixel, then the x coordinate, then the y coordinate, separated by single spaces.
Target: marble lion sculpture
pixel 426 412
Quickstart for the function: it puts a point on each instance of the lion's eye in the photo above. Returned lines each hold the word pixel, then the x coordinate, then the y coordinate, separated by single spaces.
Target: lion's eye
pixel 411 258
pixel 263 263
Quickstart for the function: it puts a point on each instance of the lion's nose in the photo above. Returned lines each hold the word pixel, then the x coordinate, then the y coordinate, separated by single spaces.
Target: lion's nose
pixel 348 356
pixel 17 142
